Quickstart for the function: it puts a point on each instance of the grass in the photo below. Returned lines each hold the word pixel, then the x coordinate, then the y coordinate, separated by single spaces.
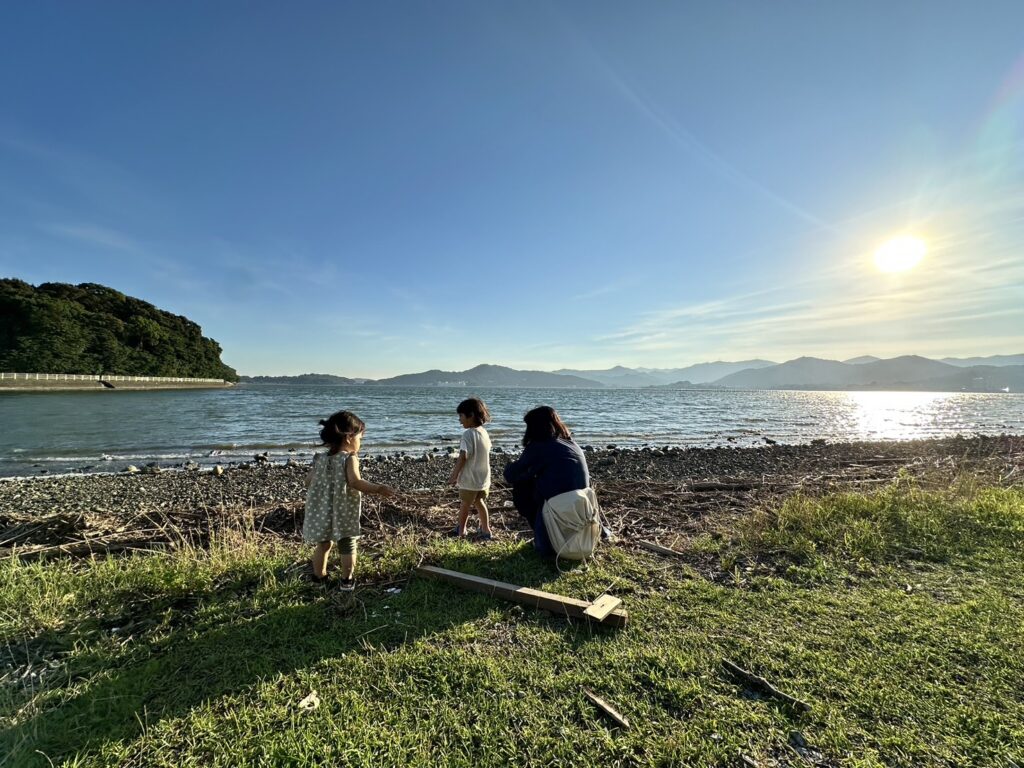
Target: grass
pixel 909 650
pixel 899 522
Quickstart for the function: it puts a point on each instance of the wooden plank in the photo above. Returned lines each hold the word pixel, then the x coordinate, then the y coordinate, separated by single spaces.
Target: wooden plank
pixel 607 708
pixel 534 598
pixel 601 607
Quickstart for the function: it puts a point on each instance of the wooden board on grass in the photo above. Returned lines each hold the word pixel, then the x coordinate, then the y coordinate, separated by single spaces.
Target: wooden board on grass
pixel 548 601
pixel 601 607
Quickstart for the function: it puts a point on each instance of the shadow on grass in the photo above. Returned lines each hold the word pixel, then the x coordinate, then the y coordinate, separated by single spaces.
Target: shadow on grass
pixel 111 698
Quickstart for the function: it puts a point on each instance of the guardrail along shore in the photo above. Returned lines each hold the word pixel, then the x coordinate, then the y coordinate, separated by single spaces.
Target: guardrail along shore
pixel 85 381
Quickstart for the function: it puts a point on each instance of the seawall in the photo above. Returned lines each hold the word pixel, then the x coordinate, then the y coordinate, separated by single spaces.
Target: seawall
pixel 57 382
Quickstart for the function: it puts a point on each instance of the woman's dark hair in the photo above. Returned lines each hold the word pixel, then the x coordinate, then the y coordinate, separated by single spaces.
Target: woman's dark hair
pixel 338 427
pixel 474 407
pixel 543 424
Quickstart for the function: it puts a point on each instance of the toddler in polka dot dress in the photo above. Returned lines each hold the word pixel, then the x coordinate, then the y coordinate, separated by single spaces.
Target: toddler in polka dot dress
pixel 334 496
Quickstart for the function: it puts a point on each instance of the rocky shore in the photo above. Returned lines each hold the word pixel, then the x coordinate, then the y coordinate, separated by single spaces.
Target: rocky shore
pixel 260 484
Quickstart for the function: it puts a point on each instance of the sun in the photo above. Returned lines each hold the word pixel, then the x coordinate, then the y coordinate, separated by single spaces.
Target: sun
pixel 900 254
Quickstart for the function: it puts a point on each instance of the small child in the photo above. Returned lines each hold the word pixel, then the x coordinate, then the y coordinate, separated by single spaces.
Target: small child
pixel 334 498
pixel 472 473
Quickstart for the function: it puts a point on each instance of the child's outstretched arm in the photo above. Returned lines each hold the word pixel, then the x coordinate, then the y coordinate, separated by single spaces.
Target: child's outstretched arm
pixel 454 478
pixel 355 481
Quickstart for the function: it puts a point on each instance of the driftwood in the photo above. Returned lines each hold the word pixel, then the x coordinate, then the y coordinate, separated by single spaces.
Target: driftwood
pixel 652 547
pixel 535 598
pixel 83 548
pixel 763 686
pixel 705 487
pixel 607 708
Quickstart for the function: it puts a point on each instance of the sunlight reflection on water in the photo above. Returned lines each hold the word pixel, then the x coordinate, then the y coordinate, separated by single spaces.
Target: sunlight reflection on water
pixel 897 415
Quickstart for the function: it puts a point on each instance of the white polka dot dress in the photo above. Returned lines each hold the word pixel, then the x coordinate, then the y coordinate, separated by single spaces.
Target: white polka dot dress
pixel 332 508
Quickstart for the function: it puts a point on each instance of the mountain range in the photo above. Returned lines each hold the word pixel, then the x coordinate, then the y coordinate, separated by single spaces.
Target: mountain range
pixel 909 372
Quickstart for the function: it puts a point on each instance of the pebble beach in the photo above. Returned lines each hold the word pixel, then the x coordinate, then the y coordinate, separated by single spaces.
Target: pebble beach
pixel 260 484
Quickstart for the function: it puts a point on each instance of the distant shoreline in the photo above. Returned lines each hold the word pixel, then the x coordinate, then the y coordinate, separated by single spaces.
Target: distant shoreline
pixel 73 383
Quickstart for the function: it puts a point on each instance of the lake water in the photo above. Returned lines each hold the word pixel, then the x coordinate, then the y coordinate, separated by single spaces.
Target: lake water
pixel 105 431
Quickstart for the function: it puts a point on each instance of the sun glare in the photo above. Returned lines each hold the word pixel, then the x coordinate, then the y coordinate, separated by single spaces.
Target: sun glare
pixel 900 254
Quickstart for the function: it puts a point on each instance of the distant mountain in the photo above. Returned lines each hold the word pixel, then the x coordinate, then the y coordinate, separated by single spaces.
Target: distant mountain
pixel 620 376
pixel 703 373
pixel 862 359
pixel 802 373
pixel 998 360
pixel 907 372
pixel 303 379
pixel 489 376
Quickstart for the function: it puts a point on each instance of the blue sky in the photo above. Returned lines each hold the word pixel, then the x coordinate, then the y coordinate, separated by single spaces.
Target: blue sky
pixel 375 188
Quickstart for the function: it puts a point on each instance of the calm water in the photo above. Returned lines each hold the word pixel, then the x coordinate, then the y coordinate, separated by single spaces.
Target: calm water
pixel 105 431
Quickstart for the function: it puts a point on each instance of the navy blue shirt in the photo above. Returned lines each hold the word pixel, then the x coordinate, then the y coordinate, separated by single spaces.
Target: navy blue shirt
pixel 555 465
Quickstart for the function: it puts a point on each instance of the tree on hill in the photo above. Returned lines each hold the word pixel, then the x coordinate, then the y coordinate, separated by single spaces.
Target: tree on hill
pixel 92 329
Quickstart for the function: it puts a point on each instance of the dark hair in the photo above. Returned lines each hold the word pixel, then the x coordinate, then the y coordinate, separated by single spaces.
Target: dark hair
pixel 543 424
pixel 338 427
pixel 475 408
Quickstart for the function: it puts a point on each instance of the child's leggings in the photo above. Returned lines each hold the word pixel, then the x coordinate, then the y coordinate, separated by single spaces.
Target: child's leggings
pixel 348 545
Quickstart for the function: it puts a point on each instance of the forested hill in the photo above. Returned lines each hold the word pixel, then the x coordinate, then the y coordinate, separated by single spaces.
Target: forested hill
pixel 89 328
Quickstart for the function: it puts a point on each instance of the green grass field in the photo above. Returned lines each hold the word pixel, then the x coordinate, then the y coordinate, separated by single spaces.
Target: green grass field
pixel 897 616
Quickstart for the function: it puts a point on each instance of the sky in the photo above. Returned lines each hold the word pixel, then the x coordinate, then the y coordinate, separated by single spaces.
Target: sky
pixel 369 189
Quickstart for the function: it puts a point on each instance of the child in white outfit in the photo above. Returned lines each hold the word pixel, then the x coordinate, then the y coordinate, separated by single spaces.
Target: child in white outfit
pixel 472 473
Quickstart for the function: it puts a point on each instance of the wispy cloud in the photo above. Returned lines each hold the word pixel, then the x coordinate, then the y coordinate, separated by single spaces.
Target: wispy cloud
pixel 92 235
pixel 683 138
pixel 605 290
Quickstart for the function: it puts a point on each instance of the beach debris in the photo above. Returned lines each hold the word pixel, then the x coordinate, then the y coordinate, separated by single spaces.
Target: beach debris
pixel 763 686
pixel 731 485
pixel 652 547
pixel 606 708
pixel 805 750
pixel 152 469
pixel 312 701
pixel 548 601
pixel 218 470
pixel 262 458
pixel 131 469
